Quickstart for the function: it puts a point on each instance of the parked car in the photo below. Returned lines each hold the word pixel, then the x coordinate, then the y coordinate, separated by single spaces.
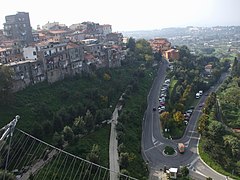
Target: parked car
pixel 201 105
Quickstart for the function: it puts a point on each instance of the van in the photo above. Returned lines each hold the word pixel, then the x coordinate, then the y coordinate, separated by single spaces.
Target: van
pixel 197 95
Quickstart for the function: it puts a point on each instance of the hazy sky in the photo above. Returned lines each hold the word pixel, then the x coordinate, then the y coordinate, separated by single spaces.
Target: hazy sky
pixel 126 15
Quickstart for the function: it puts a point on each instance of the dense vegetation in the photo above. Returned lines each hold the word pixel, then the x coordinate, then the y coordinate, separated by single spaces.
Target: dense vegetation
pixel 220 146
pixel 75 110
pixel 129 127
pixel 187 78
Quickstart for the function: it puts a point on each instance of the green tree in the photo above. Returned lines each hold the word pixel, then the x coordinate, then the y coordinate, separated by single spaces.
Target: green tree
pixel 124 160
pixel 89 121
pixel 58 140
pixel 6 82
pixel 68 134
pixel 47 127
pixel 57 123
pixel 233 144
pixel 185 171
pixel 131 44
pixel 216 130
pixel 37 130
pixel 94 155
pixel 143 50
pixel 125 172
pixel 79 125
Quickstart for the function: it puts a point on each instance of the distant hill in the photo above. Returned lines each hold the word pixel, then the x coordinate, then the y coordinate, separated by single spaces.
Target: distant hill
pixel 183 31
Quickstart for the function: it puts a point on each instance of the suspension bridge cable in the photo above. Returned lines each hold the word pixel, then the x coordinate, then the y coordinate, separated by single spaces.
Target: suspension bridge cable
pixel 64 167
pixel 73 167
pixel 25 153
pixel 71 155
pixel 61 165
pixel 48 162
pixel 69 167
pixel 86 170
pixel 78 170
pixel 59 157
pixel 14 147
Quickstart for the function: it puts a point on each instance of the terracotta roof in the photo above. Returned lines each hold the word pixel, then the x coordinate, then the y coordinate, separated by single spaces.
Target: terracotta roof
pixel 72 45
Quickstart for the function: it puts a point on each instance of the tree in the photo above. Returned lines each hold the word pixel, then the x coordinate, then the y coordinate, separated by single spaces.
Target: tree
pixel 89 121
pixel 57 123
pixel 58 140
pixel 131 44
pixel 178 117
pixel 79 125
pixel 6 82
pixel 233 144
pixel 164 116
pixel 94 155
pixel 47 128
pixel 185 171
pixel 216 131
pixel 106 77
pixel 124 160
pixel 184 52
pixel 203 123
pixel 158 56
pixel 125 172
pixel 68 134
pixel 37 130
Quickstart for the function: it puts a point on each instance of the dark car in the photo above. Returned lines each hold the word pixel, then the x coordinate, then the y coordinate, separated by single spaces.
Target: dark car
pixel 154 109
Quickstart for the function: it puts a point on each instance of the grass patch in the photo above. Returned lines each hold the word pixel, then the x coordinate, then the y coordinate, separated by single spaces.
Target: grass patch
pixel 208 159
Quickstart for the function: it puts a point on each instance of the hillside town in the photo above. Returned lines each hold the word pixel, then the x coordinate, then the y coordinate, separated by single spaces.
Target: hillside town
pixel 56 51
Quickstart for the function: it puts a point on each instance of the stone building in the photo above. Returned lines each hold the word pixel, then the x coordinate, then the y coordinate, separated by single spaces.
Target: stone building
pixel 18 27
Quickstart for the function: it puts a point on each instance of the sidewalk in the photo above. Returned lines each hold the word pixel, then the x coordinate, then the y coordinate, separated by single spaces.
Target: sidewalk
pixel 113 147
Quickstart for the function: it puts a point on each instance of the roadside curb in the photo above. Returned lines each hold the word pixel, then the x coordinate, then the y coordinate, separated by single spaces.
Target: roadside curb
pixel 206 163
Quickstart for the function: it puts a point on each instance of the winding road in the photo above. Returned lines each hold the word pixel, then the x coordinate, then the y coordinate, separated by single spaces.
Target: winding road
pixel 153 142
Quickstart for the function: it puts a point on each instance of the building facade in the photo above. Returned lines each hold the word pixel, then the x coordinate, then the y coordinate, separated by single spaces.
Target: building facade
pixel 18 27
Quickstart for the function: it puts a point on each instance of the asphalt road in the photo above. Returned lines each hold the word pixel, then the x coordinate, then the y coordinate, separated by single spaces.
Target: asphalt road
pixel 153 142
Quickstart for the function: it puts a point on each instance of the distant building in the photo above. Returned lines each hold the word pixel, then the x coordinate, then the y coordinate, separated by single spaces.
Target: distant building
pixel 105 29
pixel 78 27
pixel 18 27
pixel 54 26
pixel 116 38
pixel 160 44
pixel 171 54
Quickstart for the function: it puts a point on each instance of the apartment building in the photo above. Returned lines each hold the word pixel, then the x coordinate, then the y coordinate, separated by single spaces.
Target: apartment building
pixel 18 27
